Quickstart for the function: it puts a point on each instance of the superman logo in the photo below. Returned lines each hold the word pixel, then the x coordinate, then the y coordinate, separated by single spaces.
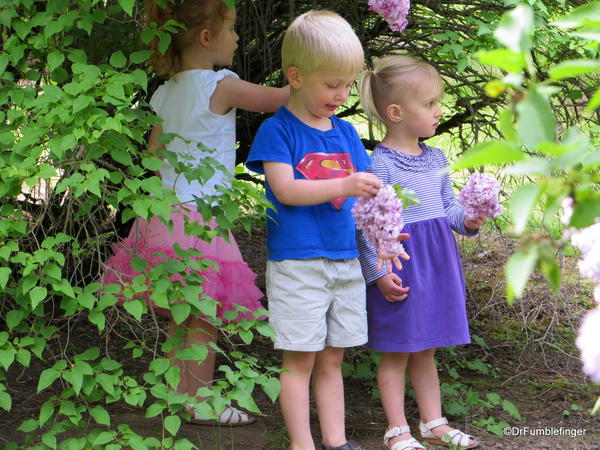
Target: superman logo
pixel 324 166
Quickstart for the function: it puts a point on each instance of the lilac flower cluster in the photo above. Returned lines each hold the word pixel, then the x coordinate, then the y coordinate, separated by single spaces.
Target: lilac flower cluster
pixel 587 341
pixel 587 240
pixel 393 11
pixel 380 219
pixel 479 196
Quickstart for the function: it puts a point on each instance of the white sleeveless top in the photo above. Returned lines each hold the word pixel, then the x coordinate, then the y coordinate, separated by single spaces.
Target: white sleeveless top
pixel 183 105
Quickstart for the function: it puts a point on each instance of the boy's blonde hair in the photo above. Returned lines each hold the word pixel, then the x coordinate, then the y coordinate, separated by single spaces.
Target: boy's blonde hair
pixel 321 39
pixel 392 79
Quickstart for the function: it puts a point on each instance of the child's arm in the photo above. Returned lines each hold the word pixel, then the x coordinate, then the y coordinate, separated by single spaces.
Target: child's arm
pixel 297 192
pixel 232 92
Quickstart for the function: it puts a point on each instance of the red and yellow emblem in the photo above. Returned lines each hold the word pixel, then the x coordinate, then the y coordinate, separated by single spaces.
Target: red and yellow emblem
pixel 325 166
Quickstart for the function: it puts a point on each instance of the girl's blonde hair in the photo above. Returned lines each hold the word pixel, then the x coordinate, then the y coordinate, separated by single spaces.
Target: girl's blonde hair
pixel 194 15
pixel 393 78
pixel 321 39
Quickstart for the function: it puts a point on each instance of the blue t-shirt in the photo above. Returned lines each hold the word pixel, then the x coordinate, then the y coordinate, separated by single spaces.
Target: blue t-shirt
pixel 324 230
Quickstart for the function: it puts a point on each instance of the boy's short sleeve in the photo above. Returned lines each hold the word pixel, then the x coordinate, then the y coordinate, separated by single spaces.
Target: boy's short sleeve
pixel 271 143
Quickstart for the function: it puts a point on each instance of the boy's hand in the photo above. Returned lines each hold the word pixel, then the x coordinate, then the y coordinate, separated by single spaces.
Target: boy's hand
pixel 391 287
pixel 360 184
pixel 395 260
pixel 474 224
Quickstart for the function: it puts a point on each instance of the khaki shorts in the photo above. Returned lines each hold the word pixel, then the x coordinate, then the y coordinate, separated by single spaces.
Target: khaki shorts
pixel 316 302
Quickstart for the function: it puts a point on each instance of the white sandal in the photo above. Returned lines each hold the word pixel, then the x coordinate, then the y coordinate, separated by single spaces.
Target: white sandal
pixel 405 444
pixel 454 437
pixel 230 417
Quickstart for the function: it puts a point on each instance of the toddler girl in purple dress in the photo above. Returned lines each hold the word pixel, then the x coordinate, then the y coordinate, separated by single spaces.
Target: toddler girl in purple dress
pixel 403 94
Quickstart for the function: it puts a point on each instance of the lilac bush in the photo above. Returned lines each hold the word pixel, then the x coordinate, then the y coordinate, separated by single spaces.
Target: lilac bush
pixel 393 11
pixel 380 219
pixel 479 196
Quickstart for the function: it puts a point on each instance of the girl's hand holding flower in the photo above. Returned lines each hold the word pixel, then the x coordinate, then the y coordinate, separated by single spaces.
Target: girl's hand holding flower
pixel 474 224
pixel 479 197
pixel 380 219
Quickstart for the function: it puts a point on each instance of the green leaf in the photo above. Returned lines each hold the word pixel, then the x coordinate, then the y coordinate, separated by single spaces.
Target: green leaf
pixel 246 336
pixel 407 196
pixel 47 377
pixel 46 411
pixel 100 415
pixel 180 312
pixel 569 69
pixel 55 59
pixel 160 365
pixel 117 59
pixel 522 202
pixel 585 212
pixel 14 317
pixel 127 6
pixel 489 153
pixel 515 29
pixel 140 56
pixel 517 270
pixel 3 62
pixel 511 409
pixel 152 163
pixel 7 357
pixel 587 13
pixel 536 122
pixel 504 59
pixel 594 102
pixel 173 377
pixel 28 426
pixel 4 274
pixel 195 352
pixel 172 424
pixel 272 387
pixel 104 438
pixel 135 308
pixel 154 409
pixel 5 401
pixel 37 294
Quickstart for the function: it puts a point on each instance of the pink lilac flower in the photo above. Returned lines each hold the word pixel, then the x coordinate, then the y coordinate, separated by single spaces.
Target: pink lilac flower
pixel 588 342
pixel 588 241
pixel 479 196
pixel 393 11
pixel 380 219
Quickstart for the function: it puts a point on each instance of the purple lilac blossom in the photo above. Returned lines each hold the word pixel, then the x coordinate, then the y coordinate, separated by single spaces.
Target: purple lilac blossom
pixel 588 241
pixel 393 11
pixel 479 196
pixel 380 219
pixel 587 341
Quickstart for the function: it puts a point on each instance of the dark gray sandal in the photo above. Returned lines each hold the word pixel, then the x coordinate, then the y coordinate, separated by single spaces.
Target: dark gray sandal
pixel 350 445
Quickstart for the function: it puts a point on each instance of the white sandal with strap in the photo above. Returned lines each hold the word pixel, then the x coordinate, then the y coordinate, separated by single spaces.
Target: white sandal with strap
pixel 454 437
pixel 405 444
pixel 230 417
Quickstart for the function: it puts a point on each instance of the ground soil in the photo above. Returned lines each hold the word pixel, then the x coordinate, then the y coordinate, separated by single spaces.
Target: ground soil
pixel 528 350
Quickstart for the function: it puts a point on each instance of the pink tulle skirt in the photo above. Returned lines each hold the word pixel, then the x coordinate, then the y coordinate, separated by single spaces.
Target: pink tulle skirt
pixel 232 284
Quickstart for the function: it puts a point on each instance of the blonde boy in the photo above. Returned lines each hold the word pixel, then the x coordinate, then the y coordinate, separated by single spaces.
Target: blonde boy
pixel 314 163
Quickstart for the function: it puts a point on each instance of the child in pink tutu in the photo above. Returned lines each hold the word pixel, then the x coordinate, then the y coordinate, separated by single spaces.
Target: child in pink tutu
pixel 199 104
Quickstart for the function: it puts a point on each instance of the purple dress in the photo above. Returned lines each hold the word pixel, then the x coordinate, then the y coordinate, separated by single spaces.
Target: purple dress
pixel 434 313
